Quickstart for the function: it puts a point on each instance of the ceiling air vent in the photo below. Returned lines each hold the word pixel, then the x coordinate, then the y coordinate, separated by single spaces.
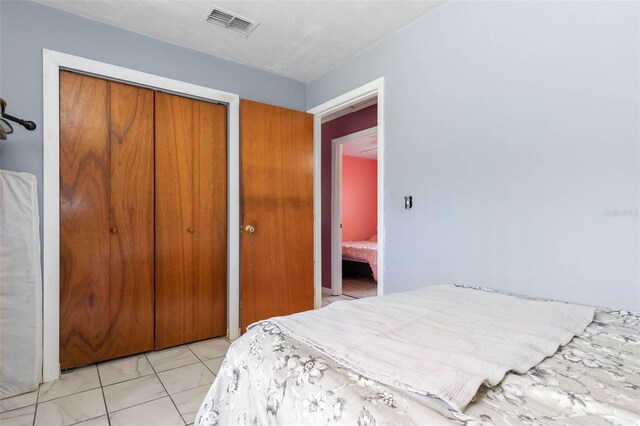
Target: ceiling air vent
pixel 231 21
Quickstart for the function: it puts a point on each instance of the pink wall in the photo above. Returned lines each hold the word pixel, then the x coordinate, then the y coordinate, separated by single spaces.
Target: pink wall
pixel 359 198
pixel 342 126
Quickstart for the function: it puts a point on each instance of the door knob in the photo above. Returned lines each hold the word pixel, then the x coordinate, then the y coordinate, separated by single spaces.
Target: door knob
pixel 249 229
pixel 114 230
pixel 191 230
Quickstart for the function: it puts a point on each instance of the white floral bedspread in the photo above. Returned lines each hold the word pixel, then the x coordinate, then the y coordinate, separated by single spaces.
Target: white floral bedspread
pixel 268 378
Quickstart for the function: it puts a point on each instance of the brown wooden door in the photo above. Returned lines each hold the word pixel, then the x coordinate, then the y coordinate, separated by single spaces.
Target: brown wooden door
pixel 191 220
pixel 106 219
pixel 276 260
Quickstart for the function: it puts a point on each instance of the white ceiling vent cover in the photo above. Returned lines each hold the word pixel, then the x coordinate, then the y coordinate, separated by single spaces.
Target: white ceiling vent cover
pixel 231 21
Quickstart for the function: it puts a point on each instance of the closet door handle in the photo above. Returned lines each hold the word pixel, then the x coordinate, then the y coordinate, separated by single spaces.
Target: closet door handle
pixel 191 230
pixel 114 230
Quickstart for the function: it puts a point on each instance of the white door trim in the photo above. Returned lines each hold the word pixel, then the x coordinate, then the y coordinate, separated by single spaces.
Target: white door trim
pixel 336 204
pixel 369 90
pixel 52 63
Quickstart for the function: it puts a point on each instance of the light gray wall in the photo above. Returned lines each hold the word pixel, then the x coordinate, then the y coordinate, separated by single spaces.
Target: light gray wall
pixel 26 28
pixel 515 126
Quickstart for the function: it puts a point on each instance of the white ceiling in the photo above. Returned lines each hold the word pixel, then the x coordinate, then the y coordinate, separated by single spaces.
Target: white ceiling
pixel 297 39
pixel 366 147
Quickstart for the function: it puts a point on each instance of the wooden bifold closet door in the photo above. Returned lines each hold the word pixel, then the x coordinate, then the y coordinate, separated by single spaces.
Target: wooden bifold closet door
pixel 106 220
pixel 191 218
pixel 143 220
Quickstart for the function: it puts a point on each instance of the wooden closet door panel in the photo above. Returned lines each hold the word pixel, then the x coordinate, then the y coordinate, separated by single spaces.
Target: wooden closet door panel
pixel 132 219
pixel 210 217
pixel 173 210
pixel 190 220
pixel 106 141
pixel 84 218
pixel 276 261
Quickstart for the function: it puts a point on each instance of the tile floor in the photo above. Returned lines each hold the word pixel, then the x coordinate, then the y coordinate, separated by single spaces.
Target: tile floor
pixel 359 287
pixel 327 300
pixel 155 388
pixel 352 289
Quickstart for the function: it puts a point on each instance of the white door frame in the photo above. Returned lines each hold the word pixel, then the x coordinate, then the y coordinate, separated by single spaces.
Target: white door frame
pixel 52 63
pixel 336 204
pixel 367 91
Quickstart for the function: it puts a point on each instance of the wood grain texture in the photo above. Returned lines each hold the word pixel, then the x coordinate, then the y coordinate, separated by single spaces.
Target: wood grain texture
pixel 106 181
pixel 191 220
pixel 276 261
pixel 132 216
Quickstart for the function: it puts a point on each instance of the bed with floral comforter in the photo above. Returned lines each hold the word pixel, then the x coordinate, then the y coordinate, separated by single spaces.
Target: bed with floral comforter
pixel 269 378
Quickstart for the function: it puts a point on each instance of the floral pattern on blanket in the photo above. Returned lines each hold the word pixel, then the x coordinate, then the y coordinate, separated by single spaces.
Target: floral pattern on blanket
pixel 268 378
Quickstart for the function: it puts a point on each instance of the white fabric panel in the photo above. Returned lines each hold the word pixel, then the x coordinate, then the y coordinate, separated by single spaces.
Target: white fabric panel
pixel 440 341
pixel 20 285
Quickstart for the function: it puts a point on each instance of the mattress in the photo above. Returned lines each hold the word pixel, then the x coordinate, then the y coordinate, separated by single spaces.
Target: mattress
pixel 20 285
pixel 271 378
pixel 362 251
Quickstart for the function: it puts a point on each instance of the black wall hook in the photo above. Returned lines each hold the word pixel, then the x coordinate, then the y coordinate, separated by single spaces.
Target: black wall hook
pixel 29 125
pixel 5 127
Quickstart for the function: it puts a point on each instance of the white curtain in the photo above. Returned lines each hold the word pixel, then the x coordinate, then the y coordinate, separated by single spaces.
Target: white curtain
pixel 20 285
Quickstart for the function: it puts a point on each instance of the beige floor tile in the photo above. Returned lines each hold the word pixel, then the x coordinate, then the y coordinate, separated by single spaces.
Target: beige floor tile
pixel 20 417
pixel 18 401
pixel 188 377
pixel 189 401
pixel 209 349
pixel 133 392
pixel 171 358
pixel 98 421
pixel 359 287
pixel 160 412
pixel 214 364
pixel 79 380
pixel 71 409
pixel 124 369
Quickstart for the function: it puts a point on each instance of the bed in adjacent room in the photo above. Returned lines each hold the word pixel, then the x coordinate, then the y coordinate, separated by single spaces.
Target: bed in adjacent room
pixel 361 252
pixel 454 355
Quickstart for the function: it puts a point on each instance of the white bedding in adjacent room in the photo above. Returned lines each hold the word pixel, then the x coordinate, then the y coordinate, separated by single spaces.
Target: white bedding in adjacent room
pixel 362 251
